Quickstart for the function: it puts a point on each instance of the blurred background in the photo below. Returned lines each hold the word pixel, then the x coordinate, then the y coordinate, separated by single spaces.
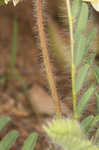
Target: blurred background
pixel 24 93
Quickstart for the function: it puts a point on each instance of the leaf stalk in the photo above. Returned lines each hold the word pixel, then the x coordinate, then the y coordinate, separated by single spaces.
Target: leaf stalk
pixel 73 68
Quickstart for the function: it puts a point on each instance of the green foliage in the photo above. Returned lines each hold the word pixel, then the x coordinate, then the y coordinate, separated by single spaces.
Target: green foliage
pixel 76 6
pixel 85 123
pixel 96 69
pixel 69 133
pixel 94 123
pixel 90 59
pixel 2 2
pixel 96 138
pixel 3 122
pixel 80 49
pixel 89 123
pixel 82 26
pixel 84 100
pixel 90 38
pixel 10 138
pixel 14 45
pixel 7 142
pixel 83 72
pixel 30 142
pixel 97 102
pixel 9 75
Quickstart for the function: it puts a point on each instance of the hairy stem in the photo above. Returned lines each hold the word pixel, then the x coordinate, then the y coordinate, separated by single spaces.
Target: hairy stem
pixel 73 69
pixel 46 58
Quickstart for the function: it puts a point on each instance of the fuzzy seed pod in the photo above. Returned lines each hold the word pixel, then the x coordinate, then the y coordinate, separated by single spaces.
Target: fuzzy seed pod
pixel 69 135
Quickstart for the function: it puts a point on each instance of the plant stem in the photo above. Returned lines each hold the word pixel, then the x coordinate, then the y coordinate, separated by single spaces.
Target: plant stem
pixel 73 68
pixel 46 58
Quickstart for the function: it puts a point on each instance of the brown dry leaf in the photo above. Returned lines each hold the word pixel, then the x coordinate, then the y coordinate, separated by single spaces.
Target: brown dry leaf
pixel 42 103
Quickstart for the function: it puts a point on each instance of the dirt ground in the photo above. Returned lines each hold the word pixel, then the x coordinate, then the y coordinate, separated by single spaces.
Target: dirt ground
pixel 29 111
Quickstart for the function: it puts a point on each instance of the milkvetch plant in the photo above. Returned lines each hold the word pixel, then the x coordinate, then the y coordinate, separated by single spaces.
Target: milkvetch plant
pixel 65 132
pixel 71 133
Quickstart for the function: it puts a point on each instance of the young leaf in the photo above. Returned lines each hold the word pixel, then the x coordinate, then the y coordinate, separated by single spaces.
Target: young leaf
pixel 8 140
pixel 76 6
pixel 86 122
pixel 84 100
pixel 80 50
pixel 14 46
pixel 94 123
pixel 81 26
pixel 81 77
pixel 3 122
pixel 30 142
pixel 96 69
pixel 97 102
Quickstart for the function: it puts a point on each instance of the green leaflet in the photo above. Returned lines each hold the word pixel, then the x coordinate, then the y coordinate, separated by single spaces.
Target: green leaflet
pixel 76 6
pixel 80 50
pixel 81 26
pixel 14 45
pixel 3 122
pixel 90 37
pixel 84 100
pixel 97 102
pixel 90 59
pixel 30 142
pixel 94 123
pixel 86 123
pixel 8 140
pixel 82 46
pixel 69 135
pixel 81 77
pixel 96 70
